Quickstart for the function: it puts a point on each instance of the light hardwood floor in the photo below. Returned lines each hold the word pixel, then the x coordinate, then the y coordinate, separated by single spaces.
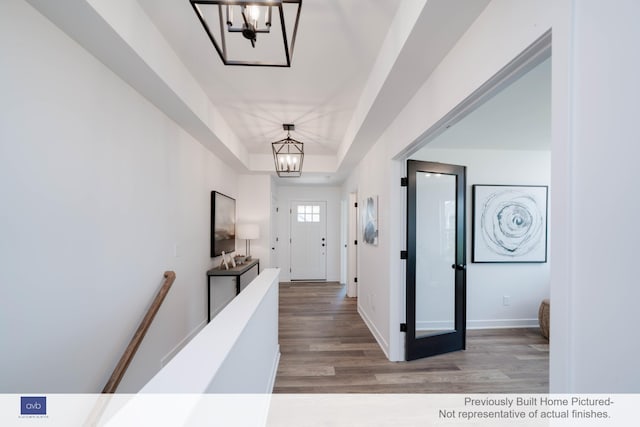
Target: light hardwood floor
pixel 327 348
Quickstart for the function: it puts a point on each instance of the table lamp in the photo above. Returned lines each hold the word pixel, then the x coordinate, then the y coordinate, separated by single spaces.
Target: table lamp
pixel 248 232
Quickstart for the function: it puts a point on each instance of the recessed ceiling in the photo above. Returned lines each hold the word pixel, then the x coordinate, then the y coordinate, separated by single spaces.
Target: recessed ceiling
pixel 356 64
pixel 336 46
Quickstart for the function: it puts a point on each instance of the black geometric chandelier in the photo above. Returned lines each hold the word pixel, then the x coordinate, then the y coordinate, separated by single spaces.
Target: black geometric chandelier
pixel 240 30
pixel 288 155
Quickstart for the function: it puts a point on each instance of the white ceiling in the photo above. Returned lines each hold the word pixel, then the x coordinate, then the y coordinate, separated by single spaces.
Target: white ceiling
pixel 336 49
pixel 336 46
pixel 356 64
pixel 517 118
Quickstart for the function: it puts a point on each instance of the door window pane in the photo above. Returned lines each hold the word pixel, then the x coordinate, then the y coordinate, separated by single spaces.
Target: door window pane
pixel 309 213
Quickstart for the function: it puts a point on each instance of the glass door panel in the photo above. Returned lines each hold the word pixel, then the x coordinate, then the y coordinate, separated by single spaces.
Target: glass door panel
pixel 435 253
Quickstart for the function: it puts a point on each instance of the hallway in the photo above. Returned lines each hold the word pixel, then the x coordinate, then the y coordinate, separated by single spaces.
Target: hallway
pixel 327 348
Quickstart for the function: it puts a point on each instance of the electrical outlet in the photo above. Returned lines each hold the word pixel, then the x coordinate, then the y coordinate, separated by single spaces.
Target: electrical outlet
pixel 506 300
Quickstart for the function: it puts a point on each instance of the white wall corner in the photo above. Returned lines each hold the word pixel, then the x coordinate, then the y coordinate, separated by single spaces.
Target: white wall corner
pixel 167 358
pixel 375 332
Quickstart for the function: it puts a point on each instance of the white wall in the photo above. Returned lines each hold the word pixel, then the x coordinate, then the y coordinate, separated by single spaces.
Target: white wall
pixel 595 151
pixel 287 194
pixel 101 193
pixel 501 32
pixel 371 178
pixel 254 207
pixel 487 284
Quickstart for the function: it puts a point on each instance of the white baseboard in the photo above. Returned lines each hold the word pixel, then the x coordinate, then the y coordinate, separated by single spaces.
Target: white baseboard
pixel 274 371
pixel 444 325
pixel 374 331
pixel 502 323
pixel 182 343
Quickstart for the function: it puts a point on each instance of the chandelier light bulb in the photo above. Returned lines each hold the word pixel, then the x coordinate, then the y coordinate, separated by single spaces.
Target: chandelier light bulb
pixel 254 14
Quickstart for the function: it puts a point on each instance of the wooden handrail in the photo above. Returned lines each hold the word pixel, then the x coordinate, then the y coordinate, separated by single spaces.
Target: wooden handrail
pixel 131 349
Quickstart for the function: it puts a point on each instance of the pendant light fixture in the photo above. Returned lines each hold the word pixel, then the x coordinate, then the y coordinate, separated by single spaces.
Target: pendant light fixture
pixel 240 30
pixel 288 154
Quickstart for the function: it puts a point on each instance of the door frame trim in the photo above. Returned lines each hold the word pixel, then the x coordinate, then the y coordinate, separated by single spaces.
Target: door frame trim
pixel 534 54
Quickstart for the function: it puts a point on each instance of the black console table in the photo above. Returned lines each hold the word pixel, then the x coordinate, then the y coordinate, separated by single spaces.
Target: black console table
pixel 236 272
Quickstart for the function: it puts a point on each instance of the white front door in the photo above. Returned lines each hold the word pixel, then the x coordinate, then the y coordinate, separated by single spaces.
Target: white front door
pixel 308 240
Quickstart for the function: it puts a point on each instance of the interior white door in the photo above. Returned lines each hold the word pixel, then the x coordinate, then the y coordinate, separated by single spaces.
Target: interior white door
pixel 352 289
pixel 308 245
pixel 274 239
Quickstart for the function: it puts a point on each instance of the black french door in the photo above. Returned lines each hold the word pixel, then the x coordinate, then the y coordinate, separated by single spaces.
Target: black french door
pixel 436 259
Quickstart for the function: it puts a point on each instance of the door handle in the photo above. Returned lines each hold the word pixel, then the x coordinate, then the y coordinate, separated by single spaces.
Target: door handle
pixel 458 266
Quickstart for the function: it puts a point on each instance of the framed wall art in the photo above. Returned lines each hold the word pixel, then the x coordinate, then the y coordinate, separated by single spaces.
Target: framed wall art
pixel 223 224
pixel 509 223
pixel 370 221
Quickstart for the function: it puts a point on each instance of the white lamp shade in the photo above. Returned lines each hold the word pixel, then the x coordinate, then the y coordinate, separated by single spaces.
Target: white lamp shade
pixel 248 231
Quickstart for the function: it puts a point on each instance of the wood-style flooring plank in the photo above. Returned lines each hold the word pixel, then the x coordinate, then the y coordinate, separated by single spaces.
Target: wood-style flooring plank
pixel 326 348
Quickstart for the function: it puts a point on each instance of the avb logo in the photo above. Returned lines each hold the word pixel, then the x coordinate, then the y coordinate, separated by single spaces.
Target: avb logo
pixel 33 405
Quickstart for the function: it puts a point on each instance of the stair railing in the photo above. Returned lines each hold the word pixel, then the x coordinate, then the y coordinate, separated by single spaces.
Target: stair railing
pixel 131 349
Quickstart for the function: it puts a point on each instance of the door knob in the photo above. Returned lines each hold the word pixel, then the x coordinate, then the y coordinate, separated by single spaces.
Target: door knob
pixel 323 245
pixel 458 266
